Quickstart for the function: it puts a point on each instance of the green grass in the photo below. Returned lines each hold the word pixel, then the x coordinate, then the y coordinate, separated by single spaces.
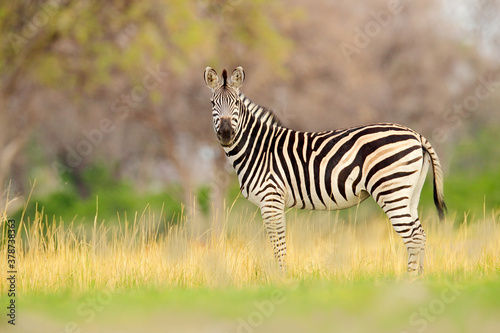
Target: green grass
pixel 436 303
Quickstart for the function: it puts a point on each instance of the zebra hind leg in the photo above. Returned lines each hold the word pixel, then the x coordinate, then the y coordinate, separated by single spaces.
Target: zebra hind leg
pixel 415 244
pixel 409 228
pixel 418 235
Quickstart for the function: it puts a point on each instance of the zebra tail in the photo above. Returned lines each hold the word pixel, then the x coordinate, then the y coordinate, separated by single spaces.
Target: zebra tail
pixel 438 178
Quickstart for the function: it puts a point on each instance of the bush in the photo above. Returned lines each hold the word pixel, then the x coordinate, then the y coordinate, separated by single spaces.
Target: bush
pixel 108 197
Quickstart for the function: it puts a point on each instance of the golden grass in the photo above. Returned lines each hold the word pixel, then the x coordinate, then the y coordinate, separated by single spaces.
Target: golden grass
pixel 138 252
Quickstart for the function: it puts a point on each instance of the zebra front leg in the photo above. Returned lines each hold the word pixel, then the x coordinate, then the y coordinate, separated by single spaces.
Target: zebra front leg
pixel 273 214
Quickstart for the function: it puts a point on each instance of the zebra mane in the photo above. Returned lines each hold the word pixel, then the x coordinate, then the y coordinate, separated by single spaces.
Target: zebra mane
pixel 224 77
pixel 262 113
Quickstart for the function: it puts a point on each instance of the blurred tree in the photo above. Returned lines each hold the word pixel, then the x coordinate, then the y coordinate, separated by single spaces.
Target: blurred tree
pixel 359 62
pixel 83 70
pixel 120 81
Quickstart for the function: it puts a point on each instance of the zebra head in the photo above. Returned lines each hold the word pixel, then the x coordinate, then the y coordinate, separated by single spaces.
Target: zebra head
pixel 226 103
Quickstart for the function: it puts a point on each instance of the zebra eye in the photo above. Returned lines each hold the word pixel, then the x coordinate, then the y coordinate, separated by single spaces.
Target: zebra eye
pixel 212 101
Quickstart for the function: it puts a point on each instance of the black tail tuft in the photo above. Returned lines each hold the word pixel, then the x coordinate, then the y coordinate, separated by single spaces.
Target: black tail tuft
pixel 438 178
pixel 440 204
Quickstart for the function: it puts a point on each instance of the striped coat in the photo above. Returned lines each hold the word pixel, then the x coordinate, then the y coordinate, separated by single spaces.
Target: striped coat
pixel 278 167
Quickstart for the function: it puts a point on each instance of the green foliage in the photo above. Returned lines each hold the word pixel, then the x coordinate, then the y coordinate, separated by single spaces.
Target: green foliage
pixel 477 152
pixel 90 42
pixel 204 199
pixel 471 185
pixel 473 193
pixel 108 198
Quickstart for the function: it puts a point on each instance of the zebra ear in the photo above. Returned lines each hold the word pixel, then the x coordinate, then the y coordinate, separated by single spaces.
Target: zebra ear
pixel 211 78
pixel 238 77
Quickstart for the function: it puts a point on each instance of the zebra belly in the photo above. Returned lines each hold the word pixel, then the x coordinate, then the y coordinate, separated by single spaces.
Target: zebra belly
pixel 343 204
pixel 315 203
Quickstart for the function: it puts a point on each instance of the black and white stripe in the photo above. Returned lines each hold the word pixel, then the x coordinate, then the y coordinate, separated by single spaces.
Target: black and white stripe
pixel 278 167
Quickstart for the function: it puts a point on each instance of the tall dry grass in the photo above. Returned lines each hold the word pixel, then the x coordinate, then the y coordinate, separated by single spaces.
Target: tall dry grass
pixel 142 251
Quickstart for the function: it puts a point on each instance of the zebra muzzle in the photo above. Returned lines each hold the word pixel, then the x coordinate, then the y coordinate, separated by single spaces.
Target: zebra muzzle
pixel 226 132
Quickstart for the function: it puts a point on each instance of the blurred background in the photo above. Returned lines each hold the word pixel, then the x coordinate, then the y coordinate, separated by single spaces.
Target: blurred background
pixel 104 101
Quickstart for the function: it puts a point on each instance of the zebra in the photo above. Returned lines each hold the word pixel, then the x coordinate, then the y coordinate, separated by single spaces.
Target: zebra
pixel 278 167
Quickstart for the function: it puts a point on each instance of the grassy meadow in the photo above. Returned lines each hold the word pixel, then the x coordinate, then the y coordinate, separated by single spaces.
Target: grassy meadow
pixel 106 136
pixel 346 272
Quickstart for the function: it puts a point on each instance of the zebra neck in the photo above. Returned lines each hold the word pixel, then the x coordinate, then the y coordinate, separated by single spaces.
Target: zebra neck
pixel 261 113
pixel 253 136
